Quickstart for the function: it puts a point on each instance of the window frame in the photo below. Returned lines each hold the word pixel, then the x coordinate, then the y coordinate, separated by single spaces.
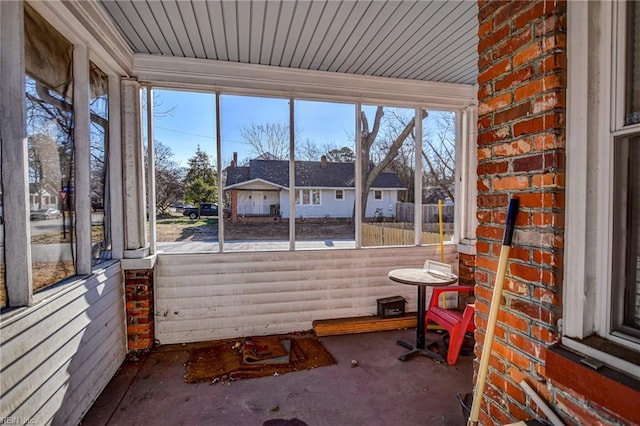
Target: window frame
pixel 465 147
pixel 300 197
pixel 595 115
pixel 341 197
pixel 375 194
pixel 18 262
pixel 622 146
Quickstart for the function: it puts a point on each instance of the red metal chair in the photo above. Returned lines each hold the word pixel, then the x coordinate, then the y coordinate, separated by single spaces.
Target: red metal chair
pixel 456 323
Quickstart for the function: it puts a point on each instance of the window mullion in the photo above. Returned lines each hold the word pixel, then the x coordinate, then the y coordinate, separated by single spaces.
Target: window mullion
pixel 358 183
pixel 18 273
pixel 151 170
pixel 576 297
pixel 115 169
pixel 292 176
pixel 82 148
pixel 417 223
pixel 219 173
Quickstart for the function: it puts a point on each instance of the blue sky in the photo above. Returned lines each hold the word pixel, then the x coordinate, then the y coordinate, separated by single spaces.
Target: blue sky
pixel 191 121
pixel 184 120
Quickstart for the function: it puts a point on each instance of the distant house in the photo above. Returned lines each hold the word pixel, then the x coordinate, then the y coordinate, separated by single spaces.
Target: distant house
pixel 43 196
pixel 323 190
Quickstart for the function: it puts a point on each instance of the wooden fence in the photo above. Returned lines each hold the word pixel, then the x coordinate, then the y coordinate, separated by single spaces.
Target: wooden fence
pixel 395 234
pixel 405 212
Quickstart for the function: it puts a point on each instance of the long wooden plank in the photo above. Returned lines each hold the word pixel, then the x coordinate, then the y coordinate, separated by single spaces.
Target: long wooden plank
pixel 353 325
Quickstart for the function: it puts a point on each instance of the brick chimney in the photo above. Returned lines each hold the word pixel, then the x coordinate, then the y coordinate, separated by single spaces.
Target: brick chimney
pixel 323 161
pixel 234 162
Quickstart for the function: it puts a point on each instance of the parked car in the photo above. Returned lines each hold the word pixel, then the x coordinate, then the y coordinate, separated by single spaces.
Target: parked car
pixel 206 209
pixel 45 214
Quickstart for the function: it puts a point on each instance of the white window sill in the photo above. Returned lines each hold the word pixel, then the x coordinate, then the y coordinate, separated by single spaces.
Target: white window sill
pixel 622 359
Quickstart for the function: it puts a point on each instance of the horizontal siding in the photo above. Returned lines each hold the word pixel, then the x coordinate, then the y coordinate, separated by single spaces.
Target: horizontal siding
pixel 58 355
pixel 213 296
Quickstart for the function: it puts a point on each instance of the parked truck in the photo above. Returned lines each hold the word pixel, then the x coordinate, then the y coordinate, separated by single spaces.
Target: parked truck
pixel 205 209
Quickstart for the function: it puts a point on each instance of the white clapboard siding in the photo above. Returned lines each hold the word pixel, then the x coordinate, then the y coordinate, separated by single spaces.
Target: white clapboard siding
pixel 220 295
pixel 59 354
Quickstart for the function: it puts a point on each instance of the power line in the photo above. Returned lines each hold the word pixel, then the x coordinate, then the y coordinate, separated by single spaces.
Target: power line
pixel 197 135
pixel 186 133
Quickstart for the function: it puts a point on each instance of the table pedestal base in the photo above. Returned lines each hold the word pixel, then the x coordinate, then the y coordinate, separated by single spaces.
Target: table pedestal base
pixel 415 350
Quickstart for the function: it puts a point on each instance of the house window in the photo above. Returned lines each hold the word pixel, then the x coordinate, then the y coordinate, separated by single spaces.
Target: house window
pixel 602 286
pixel 388 160
pixel 99 92
pixel 49 93
pixel 324 158
pixel 254 162
pixel 185 171
pixel 626 236
pixel 66 126
pixel 308 197
pixel 632 69
pixel 254 159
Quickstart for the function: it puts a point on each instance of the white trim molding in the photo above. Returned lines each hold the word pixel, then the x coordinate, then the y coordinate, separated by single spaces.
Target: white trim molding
pixel 579 300
pixel 82 159
pixel 591 95
pixel 14 155
pixel 211 75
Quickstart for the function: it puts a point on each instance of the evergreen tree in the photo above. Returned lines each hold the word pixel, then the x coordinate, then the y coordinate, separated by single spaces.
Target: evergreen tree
pixel 201 184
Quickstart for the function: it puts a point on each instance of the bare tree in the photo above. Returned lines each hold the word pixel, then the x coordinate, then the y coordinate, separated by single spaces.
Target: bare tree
pixel 438 152
pixel 383 148
pixel 267 139
pixel 341 155
pixel 403 165
pixel 374 162
pixel 271 140
pixel 169 176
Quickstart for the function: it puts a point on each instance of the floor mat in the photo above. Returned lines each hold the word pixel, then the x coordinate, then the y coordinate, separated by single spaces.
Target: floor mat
pixel 223 360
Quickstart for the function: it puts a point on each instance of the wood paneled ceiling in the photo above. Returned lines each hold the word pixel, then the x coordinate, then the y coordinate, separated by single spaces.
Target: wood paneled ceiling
pixel 406 39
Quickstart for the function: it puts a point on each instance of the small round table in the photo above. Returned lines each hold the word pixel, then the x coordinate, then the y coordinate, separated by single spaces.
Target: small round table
pixel 422 279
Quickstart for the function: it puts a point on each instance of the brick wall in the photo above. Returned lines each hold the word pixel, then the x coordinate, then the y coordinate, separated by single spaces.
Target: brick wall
pixel 521 134
pixel 521 153
pixel 139 307
pixel 466 268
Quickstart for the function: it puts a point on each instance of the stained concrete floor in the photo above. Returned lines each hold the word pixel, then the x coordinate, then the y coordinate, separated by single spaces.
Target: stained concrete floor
pixel 380 390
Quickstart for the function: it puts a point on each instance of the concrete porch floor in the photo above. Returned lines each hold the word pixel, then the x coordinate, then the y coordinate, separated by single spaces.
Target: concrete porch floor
pixel 381 390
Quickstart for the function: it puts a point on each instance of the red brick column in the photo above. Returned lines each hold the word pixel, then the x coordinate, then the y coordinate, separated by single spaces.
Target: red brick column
pixel 139 306
pixel 521 134
pixel 234 205
pixel 466 268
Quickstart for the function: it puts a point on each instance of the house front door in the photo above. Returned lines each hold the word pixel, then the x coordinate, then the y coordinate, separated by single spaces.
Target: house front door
pixel 258 202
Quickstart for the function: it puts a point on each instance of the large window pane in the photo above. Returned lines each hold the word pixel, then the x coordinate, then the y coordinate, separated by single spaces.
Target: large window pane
pixel 185 171
pixel 255 144
pixel 632 109
pixel 99 133
pixel 626 266
pixel 3 282
pixel 388 171
pixel 438 163
pixel 49 109
pixel 325 175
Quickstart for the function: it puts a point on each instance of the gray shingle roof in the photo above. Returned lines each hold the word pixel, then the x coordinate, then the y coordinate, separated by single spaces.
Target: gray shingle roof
pixel 308 174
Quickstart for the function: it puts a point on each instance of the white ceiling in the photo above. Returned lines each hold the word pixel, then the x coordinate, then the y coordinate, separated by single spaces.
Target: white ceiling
pixel 416 40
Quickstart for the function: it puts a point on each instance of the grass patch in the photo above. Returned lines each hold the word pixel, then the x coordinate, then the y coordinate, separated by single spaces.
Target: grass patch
pixel 45 274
